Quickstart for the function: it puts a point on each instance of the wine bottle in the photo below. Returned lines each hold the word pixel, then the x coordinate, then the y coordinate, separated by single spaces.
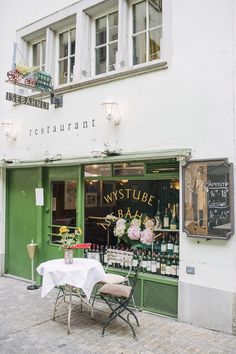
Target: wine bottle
pixel 105 256
pixel 149 262
pixel 90 252
pixel 144 263
pixel 93 251
pixel 170 246
pixel 157 217
pixel 177 267
pixel 154 264
pixel 176 245
pixel 174 268
pixel 163 245
pixel 135 260
pixel 97 253
pixel 173 224
pixel 168 266
pixel 158 261
pixel 177 214
pixel 163 265
pixel 102 254
pixel 166 220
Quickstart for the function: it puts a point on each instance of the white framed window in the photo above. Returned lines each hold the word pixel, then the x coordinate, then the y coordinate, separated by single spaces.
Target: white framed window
pixel 106 43
pixel 39 54
pixel 146 31
pixel 66 56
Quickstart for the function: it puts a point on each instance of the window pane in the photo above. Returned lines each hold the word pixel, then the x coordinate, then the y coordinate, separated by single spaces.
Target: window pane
pixel 125 199
pixel 63 71
pixel 72 63
pixel 43 52
pixel 63 205
pixel 101 57
pixel 139 17
pixel 112 55
pixel 97 170
pixel 139 49
pixel 63 45
pixel 36 54
pixel 101 33
pixel 72 41
pixel 113 26
pixel 154 14
pixel 128 169
pixel 154 44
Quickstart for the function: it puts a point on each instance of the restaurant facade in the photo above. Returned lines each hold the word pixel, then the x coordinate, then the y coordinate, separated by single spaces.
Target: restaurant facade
pixel 119 117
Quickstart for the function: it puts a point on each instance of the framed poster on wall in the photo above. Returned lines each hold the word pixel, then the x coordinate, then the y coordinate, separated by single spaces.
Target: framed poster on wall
pixel 208 199
pixel 70 195
pixel 91 200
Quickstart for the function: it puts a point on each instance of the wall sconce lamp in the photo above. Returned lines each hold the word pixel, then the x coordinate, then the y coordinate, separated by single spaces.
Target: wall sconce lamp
pixel 8 130
pixel 111 110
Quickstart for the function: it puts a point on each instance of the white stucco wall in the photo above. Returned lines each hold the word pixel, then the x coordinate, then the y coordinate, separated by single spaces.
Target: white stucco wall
pixel 191 104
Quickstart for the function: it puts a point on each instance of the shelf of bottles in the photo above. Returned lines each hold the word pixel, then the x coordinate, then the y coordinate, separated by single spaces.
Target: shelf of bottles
pixel 161 258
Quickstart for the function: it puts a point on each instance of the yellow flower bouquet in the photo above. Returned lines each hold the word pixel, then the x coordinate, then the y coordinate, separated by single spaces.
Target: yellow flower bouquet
pixel 69 239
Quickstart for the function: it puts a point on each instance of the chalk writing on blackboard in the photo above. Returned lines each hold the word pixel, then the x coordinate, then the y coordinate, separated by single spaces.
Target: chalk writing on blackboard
pixel 218 201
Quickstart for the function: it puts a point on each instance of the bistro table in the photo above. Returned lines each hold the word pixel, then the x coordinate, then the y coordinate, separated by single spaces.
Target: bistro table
pixel 82 274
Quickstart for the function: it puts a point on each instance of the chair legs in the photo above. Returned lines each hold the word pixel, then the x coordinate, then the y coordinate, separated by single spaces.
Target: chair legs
pixel 128 282
pixel 117 311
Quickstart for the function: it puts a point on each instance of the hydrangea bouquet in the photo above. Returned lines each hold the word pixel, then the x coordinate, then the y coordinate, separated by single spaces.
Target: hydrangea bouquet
pixel 134 232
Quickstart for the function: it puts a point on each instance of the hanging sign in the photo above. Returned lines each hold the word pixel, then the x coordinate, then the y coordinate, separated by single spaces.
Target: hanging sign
pixel 29 101
pixel 30 77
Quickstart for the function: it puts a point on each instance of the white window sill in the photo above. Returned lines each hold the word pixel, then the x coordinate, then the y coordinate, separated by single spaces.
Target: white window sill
pixel 111 76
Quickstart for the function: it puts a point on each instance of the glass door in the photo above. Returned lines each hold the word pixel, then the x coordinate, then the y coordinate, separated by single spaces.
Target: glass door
pixel 61 207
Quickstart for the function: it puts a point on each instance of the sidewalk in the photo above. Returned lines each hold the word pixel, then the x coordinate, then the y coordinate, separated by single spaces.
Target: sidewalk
pixel 26 327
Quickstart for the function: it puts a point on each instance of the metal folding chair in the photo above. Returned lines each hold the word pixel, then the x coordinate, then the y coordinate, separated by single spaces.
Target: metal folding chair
pixel 117 297
pixel 121 259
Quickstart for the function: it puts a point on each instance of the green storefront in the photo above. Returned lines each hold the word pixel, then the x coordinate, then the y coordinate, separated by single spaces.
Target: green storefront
pixel 82 194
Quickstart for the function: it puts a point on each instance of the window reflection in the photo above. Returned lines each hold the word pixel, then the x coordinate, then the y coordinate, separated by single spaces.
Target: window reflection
pixel 66 60
pixel 147 31
pixel 106 43
pixel 124 198
pixel 63 205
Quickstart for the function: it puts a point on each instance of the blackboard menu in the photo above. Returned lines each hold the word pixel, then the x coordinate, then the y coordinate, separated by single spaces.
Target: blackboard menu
pixel 208 199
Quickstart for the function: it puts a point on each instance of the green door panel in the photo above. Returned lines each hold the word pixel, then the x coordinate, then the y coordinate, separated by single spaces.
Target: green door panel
pixel 21 220
pixel 51 251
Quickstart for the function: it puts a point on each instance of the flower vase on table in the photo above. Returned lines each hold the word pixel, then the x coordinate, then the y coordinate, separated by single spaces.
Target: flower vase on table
pixel 68 255
pixel 68 241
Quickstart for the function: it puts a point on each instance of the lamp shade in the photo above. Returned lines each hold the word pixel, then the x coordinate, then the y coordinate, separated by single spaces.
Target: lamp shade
pixel 109 107
pixel 7 128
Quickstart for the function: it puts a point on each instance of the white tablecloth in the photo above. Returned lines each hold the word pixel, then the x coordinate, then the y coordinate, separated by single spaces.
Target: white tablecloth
pixel 82 273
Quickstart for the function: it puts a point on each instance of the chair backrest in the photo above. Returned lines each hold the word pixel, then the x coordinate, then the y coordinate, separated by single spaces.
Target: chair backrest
pixel 135 278
pixel 119 259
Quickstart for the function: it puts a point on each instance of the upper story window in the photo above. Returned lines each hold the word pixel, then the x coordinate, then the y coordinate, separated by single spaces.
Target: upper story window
pixel 39 54
pixel 106 43
pixel 66 60
pixel 99 49
pixel 147 31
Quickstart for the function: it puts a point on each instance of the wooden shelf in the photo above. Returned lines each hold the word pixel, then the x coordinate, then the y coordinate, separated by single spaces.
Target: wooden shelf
pixel 166 230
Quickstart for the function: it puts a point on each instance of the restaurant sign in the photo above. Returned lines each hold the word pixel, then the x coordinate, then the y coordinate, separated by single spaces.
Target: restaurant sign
pixel 29 101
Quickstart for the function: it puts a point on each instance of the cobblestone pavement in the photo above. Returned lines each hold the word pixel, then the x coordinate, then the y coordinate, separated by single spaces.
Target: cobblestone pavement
pixel 26 326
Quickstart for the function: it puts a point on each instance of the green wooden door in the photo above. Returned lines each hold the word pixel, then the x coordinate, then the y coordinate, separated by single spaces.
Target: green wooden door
pixel 21 220
pixel 63 206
